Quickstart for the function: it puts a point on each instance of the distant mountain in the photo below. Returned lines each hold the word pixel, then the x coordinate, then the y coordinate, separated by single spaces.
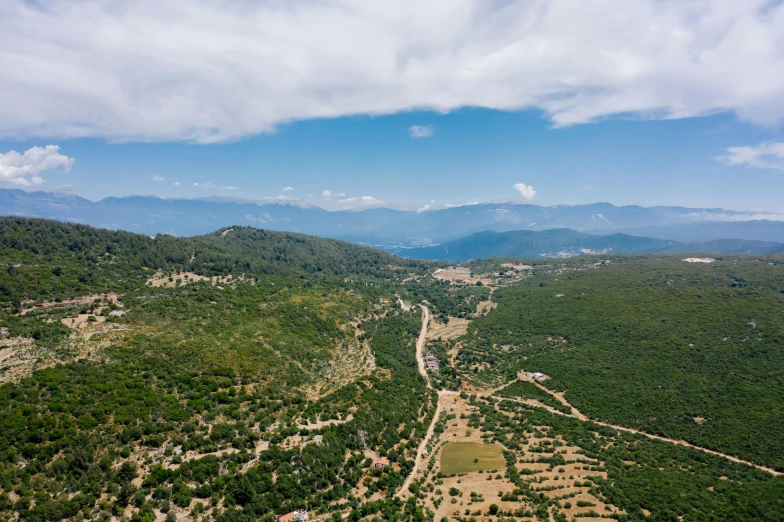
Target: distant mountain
pixel 730 246
pixel 383 227
pixel 754 230
pixel 569 243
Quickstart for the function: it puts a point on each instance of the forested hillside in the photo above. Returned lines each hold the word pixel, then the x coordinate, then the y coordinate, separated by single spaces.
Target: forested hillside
pixel 48 259
pixel 687 350
pixel 153 376
pixel 245 374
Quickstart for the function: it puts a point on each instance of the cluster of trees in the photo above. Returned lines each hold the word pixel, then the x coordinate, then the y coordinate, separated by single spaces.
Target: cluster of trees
pixel 445 299
pixel 527 390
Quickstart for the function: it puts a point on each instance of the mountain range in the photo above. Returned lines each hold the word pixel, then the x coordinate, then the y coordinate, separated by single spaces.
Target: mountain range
pixel 389 228
pixel 563 242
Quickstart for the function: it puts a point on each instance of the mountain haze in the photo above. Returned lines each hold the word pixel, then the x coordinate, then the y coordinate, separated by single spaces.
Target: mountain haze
pixel 383 226
pixel 562 242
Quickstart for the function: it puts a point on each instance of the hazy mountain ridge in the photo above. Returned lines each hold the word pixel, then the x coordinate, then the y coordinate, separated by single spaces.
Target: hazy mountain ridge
pixel 570 243
pixel 383 226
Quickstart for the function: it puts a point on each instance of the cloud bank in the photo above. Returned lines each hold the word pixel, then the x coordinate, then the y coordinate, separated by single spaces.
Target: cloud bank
pixel 358 203
pixel 328 194
pixel 25 169
pixel 207 71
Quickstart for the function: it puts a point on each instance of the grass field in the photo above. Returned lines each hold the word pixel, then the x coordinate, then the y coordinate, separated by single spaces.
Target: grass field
pixel 462 457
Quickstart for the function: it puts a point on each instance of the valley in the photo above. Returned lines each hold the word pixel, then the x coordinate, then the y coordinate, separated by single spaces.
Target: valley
pixel 245 375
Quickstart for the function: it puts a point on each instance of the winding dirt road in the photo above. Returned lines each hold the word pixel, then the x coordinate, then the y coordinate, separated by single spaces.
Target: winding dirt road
pixel 443 395
pixel 580 416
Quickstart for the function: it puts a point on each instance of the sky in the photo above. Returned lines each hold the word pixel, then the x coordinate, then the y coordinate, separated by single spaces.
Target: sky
pixel 354 104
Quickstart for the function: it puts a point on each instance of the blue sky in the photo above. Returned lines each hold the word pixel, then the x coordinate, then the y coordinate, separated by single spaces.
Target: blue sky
pixel 626 101
pixel 472 154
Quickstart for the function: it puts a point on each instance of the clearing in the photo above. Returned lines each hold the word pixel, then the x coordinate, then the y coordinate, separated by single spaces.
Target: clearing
pixel 464 457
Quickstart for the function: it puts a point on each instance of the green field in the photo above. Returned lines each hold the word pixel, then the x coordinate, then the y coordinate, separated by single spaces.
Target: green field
pixel 462 457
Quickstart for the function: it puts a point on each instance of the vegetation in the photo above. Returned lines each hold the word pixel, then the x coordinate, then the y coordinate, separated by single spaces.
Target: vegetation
pixel 685 350
pixel 204 395
pixel 243 374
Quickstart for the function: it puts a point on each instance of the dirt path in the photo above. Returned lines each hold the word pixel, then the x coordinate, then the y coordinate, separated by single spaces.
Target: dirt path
pixel 421 455
pixel 443 395
pixel 420 346
pixel 580 416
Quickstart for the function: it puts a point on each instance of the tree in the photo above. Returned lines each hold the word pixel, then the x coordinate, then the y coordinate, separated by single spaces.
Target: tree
pixel 493 509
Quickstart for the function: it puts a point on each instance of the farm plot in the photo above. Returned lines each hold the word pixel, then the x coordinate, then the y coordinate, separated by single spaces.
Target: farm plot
pixel 464 457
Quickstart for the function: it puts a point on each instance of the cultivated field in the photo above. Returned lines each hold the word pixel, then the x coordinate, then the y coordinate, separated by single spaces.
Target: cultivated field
pixel 463 457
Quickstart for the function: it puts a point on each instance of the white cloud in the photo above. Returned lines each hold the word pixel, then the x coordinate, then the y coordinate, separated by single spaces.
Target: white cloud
pixel 466 204
pixel 767 155
pixel 204 185
pixel 205 71
pixel 527 191
pixel 25 169
pixel 287 189
pixel 587 187
pixel 429 206
pixel 176 183
pixel 358 203
pixel 157 179
pixel 420 131
pixel 328 194
pixel 229 187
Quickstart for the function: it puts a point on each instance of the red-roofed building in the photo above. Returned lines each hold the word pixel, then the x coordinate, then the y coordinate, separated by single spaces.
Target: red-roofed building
pixel 294 516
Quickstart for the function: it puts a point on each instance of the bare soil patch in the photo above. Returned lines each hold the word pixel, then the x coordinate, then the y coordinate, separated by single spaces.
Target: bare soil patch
pixel 454 328
pixel 160 279
pixel 461 275
pixel 518 266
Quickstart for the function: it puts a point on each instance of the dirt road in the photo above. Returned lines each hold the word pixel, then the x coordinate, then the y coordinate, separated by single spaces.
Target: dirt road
pixel 421 455
pixel 577 415
pixel 443 395
pixel 420 346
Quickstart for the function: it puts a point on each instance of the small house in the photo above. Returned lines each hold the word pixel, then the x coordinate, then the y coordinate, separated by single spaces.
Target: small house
pixel 381 463
pixel 294 516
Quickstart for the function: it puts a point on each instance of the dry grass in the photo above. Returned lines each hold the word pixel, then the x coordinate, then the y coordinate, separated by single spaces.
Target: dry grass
pixel 464 457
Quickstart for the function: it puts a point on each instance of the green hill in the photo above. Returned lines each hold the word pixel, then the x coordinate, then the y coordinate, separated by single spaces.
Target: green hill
pixel 136 368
